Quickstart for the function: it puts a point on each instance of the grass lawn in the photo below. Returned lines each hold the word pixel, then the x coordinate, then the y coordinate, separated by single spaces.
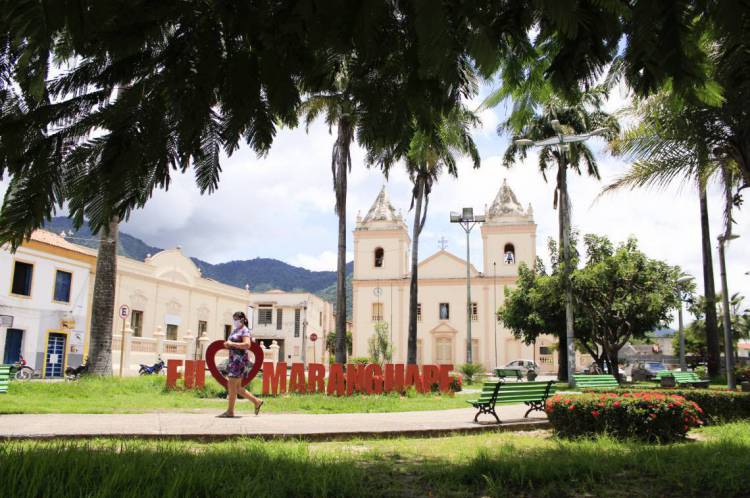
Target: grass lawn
pixel 490 464
pixel 147 394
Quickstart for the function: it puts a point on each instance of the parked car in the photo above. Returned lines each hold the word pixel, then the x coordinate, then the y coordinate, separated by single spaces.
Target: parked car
pixel 647 370
pixel 593 368
pixel 523 365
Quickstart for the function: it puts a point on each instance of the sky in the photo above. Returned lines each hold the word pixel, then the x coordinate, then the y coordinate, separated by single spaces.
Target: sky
pixel 281 206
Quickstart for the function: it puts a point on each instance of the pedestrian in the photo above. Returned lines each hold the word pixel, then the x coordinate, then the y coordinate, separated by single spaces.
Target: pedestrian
pixel 238 344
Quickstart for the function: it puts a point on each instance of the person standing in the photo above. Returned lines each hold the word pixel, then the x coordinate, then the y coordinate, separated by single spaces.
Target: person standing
pixel 238 344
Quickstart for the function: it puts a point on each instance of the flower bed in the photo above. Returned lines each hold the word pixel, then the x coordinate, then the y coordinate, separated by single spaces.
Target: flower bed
pixel 718 405
pixel 647 416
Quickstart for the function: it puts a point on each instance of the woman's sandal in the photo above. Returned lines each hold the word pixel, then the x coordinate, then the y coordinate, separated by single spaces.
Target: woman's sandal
pixel 257 408
pixel 225 415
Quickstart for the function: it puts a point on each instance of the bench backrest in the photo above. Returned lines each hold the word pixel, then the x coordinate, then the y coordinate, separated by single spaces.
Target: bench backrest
pixel 4 378
pixel 686 377
pixel 582 380
pixel 489 392
pixel 518 392
pixel 508 372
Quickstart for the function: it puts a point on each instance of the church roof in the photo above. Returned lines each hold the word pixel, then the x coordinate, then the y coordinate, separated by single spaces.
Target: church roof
pixel 382 209
pixel 506 204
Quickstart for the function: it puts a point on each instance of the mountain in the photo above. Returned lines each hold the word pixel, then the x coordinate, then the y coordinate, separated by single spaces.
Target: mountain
pixel 262 273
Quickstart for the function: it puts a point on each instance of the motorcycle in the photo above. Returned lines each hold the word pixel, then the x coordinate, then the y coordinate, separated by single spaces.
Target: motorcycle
pixel 75 373
pixel 154 369
pixel 21 371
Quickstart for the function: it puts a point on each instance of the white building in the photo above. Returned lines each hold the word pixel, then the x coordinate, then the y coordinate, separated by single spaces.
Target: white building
pixel 46 290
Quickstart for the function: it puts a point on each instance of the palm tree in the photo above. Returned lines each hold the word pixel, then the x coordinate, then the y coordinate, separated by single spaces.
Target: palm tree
pixel 429 154
pixel 582 116
pixel 340 110
pixel 678 141
pixel 103 303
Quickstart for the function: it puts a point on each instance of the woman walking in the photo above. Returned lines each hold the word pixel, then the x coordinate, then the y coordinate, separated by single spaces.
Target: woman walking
pixel 238 344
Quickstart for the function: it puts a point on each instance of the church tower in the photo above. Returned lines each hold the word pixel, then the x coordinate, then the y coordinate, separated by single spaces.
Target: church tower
pixel 508 235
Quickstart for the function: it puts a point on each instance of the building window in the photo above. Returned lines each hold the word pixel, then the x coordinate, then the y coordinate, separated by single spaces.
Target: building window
pixel 377 312
pixel 227 332
pixel 379 256
pixel 419 351
pixel 475 350
pixel 22 275
pixel 320 319
pixel 545 350
pixel 136 323
pixel 172 332
pixel 265 315
pixel 296 322
pixel 509 256
pixel 202 327
pixel 419 312
pixel 474 312
pixel 445 311
pixel 444 350
pixel 279 318
pixel 63 281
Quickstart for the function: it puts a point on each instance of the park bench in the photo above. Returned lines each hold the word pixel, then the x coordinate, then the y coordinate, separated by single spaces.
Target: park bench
pixel 683 378
pixel 4 378
pixel 502 373
pixel 583 380
pixel 533 394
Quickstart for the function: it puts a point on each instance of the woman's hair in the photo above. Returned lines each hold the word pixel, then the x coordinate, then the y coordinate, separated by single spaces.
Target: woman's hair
pixel 241 317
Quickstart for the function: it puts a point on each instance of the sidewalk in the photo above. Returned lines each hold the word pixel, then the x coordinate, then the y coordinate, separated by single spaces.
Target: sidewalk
pixel 268 426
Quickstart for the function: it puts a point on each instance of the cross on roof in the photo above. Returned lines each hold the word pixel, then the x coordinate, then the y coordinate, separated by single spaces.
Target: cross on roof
pixel 443 243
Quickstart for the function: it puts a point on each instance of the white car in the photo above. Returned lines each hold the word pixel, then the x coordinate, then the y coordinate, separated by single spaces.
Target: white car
pixel 523 365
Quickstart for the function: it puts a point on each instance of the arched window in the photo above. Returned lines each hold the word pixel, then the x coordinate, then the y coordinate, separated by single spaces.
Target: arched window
pixel 509 254
pixel 379 255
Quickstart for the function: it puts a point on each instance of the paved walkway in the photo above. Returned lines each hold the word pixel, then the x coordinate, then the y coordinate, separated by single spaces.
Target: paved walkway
pixel 267 425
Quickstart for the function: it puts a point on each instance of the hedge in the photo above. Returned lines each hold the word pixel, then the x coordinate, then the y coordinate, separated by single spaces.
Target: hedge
pixel 718 405
pixel 647 416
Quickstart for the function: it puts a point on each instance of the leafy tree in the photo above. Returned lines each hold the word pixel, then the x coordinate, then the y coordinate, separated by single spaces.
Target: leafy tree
pixel 379 345
pixel 331 342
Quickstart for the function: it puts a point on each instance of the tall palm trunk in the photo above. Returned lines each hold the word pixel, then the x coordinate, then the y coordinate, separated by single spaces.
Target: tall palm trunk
pixel 712 330
pixel 341 162
pixel 419 193
pixel 103 305
pixel 564 257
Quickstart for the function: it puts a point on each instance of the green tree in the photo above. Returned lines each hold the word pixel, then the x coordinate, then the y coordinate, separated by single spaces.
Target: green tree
pixel 379 345
pixel 331 342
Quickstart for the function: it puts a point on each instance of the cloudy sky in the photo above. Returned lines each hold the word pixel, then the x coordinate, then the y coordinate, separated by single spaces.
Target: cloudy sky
pixel 281 206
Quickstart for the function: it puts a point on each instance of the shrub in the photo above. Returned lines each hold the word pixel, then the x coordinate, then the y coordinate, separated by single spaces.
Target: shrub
pixel 701 371
pixel 456 383
pixel 648 416
pixel 359 360
pixel 470 370
pixel 718 405
pixel 742 374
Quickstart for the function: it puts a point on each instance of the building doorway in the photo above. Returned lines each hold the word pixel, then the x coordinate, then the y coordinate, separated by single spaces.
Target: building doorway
pixel 13 342
pixel 54 363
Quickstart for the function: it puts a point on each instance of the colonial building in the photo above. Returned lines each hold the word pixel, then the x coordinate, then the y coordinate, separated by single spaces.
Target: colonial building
pixel 381 287
pixel 45 302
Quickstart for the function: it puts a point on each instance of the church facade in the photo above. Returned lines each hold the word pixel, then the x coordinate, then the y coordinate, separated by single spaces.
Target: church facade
pixel 381 287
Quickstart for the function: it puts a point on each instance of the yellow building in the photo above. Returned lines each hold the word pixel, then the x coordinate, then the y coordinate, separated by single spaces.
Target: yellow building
pixel 381 287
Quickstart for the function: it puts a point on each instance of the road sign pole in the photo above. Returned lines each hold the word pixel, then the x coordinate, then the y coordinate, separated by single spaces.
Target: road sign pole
pixel 122 346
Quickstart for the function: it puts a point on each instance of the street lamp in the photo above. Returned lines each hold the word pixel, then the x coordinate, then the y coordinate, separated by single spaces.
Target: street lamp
pixel 467 220
pixel 728 346
pixel 682 296
pixel 563 142
pixel 303 305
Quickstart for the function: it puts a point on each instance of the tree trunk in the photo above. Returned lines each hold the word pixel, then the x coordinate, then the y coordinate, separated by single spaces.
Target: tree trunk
pixel 712 329
pixel 341 162
pixel 612 363
pixel 563 259
pixel 103 304
pixel 411 357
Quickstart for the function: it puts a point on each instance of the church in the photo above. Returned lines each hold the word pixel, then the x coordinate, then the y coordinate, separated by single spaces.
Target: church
pixel 380 287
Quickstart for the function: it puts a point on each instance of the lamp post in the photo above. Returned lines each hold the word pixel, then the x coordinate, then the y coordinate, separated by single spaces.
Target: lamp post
pixel 681 294
pixel 563 142
pixel 467 220
pixel 303 304
pixel 728 345
pixel 494 309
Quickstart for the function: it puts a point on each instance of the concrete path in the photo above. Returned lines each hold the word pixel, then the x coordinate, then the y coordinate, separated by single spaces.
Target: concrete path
pixel 269 426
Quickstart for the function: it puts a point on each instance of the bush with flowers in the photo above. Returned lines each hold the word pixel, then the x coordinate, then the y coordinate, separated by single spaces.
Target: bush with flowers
pixel 456 383
pixel 649 416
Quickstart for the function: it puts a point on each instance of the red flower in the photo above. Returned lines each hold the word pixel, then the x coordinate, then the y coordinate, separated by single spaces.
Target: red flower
pixel 595 413
pixel 572 407
pixel 617 404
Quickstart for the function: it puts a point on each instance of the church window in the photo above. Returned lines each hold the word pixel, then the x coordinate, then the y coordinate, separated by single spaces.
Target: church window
pixel 419 312
pixel 474 312
pixel 509 254
pixel 444 350
pixel 377 312
pixel 379 256
pixel 445 313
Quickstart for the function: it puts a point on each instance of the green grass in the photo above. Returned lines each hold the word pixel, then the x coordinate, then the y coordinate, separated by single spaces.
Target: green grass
pixel 147 394
pixel 490 464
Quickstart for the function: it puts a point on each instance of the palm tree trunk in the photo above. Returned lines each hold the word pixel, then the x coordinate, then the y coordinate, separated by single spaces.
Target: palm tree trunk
pixel 341 162
pixel 103 305
pixel 563 256
pixel 712 329
pixel 411 357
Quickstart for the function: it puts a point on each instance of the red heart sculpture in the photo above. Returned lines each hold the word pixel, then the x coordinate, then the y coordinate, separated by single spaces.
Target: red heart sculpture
pixel 217 346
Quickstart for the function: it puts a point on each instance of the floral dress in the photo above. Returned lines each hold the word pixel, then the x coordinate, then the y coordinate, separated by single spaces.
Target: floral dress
pixel 238 358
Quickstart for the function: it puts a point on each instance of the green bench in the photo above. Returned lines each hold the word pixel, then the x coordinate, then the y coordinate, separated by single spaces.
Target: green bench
pixel 683 378
pixel 502 373
pixel 533 394
pixel 4 378
pixel 583 380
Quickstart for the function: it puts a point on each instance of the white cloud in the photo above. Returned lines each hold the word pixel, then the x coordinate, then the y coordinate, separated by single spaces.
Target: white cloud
pixel 325 261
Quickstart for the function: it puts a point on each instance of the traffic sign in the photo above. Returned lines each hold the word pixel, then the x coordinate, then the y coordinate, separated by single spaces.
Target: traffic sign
pixel 124 311
pixel 313 337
